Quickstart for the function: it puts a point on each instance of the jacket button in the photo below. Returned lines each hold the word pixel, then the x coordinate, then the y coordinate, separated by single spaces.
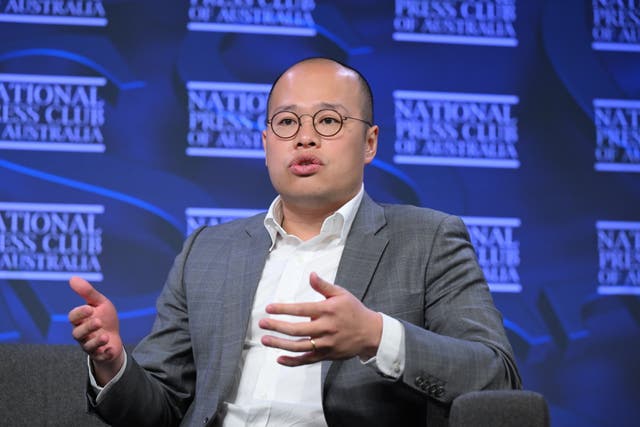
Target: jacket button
pixel 205 420
pixel 420 381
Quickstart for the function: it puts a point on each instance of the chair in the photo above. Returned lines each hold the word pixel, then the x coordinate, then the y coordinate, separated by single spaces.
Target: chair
pixel 42 385
pixel 499 408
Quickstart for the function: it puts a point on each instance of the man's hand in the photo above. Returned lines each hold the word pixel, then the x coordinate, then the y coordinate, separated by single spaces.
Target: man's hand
pixel 340 327
pixel 96 328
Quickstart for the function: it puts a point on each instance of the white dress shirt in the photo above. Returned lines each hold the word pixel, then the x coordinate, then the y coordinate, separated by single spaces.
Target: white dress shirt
pixel 267 393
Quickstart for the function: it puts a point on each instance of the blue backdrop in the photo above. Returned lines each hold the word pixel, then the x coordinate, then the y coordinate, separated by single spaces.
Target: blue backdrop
pixel 125 124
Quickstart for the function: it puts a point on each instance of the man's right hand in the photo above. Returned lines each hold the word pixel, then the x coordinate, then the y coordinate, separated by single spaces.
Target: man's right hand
pixel 96 328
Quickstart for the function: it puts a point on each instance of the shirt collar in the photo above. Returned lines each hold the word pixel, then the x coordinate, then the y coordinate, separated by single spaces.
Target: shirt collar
pixel 338 223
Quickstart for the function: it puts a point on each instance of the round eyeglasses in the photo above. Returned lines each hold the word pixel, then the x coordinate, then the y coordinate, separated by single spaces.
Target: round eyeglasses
pixel 327 122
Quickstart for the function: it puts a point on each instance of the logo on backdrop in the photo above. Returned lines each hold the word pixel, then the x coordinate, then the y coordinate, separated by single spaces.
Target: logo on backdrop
pixel 41 241
pixel 617 135
pixel 88 13
pixel 290 17
pixel 498 251
pixel 619 257
pixel 226 119
pixel 197 217
pixel 489 22
pixel 51 113
pixel 616 25
pixel 438 128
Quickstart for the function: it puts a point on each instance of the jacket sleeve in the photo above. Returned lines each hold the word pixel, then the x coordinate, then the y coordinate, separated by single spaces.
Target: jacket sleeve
pixel 462 345
pixel 161 392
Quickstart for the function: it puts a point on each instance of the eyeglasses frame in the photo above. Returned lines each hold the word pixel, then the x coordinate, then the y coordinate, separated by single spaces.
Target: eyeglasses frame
pixel 313 122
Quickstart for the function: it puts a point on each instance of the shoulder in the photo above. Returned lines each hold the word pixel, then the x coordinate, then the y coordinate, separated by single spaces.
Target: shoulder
pixel 413 212
pixel 401 220
pixel 233 229
pixel 413 217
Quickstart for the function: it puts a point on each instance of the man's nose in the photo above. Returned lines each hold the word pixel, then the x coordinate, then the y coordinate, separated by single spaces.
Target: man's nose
pixel 307 134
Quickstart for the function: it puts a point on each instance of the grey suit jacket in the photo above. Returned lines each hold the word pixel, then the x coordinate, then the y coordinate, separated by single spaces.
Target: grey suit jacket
pixel 416 265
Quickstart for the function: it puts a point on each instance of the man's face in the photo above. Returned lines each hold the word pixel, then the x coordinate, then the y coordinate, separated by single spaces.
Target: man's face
pixel 311 171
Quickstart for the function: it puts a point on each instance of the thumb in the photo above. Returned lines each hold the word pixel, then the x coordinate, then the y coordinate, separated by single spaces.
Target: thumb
pixel 86 291
pixel 323 287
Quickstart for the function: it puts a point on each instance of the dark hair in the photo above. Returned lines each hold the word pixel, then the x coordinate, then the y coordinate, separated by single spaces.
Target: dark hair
pixel 367 95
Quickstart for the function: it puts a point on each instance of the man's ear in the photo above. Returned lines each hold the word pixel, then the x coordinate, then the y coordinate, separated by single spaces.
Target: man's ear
pixel 371 144
pixel 264 145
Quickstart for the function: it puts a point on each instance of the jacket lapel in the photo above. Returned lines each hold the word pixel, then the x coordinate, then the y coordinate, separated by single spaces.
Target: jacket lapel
pixel 246 262
pixel 363 249
pixel 361 254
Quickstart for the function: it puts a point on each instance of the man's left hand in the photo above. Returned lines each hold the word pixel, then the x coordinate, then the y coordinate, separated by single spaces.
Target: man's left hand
pixel 340 327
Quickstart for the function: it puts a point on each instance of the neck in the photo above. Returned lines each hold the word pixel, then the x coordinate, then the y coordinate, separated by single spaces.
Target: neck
pixel 305 223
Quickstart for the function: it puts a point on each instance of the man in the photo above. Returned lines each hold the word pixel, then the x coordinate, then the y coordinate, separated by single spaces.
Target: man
pixel 252 330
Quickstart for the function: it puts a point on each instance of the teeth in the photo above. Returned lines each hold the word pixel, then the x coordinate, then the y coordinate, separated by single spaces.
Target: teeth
pixel 305 162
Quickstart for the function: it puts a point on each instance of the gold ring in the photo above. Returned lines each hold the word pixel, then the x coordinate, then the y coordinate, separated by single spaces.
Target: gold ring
pixel 313 344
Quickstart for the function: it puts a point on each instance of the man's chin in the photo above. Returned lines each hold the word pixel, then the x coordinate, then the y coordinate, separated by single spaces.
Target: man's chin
pixel 326 200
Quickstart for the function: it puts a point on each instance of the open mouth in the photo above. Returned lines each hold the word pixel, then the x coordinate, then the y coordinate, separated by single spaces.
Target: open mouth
pixel 305 165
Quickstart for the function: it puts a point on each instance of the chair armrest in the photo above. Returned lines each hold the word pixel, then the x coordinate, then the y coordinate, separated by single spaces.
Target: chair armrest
pixel 499 408
pixel 42 384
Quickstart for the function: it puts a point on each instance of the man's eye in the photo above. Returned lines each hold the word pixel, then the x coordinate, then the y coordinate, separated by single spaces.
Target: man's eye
pixel 287 122
pixel 328 121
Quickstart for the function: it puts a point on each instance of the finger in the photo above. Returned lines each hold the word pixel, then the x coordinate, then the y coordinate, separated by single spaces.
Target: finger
pixel 323 287
pixel 83 332
pixel 80 314
pixel 297 346
pixel 97 347
pixel 304 359
pixel 294 329
pixel 86 291
pixel 302 309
